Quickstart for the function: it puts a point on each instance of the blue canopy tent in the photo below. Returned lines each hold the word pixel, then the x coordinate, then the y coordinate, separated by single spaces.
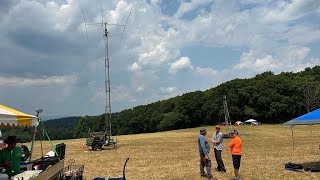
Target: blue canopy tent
pixel 310 118
pixel 307 119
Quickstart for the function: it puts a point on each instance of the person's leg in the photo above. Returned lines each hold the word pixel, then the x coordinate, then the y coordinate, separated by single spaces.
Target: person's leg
pixel 236 164
pixel 202 164
pixel 208 167
pixel 236 173
pixel 217 160
pixel 220 161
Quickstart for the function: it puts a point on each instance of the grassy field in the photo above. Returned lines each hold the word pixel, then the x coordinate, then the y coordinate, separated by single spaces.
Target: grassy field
pixel 174 154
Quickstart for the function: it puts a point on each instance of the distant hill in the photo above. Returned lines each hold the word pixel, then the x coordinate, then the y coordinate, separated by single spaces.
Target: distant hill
pixel 62 128
pixel 46 118
pixel 266 97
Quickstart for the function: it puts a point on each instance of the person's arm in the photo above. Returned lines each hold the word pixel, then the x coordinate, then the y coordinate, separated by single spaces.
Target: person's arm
pixel 203 146
pixel 232 143
pixel 213 138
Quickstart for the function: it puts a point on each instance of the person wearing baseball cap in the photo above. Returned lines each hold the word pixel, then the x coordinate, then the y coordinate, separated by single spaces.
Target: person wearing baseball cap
pixel 217 139
pixel 236 151
pixel 10 157
pixel 204 149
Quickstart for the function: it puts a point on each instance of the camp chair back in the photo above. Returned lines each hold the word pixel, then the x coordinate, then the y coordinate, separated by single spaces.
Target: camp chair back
pixel 123 172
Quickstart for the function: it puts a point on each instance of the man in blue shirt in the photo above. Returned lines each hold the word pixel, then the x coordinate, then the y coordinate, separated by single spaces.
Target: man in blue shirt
pixel 204 149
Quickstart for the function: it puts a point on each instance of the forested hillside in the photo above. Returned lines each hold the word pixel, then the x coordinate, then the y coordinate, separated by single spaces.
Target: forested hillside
pixel 267 97
pixel 62 128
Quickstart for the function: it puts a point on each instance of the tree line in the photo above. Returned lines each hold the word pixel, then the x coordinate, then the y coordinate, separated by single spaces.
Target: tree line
pixel 266 97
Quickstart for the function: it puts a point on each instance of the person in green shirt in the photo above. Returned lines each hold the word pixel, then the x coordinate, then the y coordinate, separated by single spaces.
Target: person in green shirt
pixel 10 157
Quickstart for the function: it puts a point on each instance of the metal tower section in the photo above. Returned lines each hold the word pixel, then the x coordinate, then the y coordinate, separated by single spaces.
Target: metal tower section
pixel 107 83
pixel 226 112
pixel 108 131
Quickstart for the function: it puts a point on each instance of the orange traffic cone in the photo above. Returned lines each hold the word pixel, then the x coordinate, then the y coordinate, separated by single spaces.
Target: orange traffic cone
pixel 82 147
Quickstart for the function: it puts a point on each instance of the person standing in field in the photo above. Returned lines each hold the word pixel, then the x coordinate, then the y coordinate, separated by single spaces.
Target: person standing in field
pixel 204 149
pixel 236 151
pixel 217 139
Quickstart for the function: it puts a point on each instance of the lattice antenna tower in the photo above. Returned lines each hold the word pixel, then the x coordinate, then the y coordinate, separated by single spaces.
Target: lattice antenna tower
pixel 106 36
pixel 227 119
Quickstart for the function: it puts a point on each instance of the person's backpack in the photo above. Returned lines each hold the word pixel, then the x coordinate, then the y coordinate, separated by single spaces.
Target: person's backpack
pixel 291 165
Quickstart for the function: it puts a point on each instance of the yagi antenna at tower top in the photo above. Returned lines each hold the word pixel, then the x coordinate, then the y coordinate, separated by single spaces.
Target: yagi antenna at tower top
pixel 124 28
pixel 102 23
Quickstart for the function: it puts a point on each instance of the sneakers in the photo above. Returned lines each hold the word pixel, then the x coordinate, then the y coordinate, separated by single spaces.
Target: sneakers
pixel 210 177
pixel 236 178
pixel 203 174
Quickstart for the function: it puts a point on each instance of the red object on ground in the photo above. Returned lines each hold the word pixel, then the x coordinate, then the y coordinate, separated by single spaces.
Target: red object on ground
pixel 82 147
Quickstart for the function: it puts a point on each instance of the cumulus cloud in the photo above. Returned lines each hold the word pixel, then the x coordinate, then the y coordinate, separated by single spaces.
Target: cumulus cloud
pixel 291 10
pixel 182 64
pixel 249 61
pixel 46 81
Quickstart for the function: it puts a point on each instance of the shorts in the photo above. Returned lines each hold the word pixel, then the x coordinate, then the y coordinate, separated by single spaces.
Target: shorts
pixel 236 161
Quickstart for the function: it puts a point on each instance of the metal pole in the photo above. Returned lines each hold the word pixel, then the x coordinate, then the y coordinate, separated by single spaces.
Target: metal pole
pixel 32 147
pixel 293 146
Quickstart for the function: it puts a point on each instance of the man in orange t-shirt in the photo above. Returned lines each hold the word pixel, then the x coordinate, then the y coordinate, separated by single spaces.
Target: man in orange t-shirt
pixel 236 151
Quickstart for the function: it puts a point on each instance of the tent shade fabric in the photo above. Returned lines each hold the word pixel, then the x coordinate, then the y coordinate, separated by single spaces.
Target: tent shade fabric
pixel 250 120
pixel 11 118
pixel 307 119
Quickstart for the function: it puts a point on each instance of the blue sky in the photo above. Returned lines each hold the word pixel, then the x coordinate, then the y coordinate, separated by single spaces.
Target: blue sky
pixel 170 47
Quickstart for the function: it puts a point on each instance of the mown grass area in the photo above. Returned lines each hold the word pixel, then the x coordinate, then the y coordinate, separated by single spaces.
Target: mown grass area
pixel 174 154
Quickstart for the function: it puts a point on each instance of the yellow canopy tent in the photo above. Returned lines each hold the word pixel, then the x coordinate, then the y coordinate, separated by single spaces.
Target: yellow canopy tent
pixel 13 118
pixel 10 117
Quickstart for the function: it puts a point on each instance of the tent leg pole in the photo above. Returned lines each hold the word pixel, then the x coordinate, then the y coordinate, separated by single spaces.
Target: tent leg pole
pixel 293 146
pixel 32 147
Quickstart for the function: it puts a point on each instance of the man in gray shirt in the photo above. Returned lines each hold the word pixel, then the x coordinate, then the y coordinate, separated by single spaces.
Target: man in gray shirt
pixel 217 139
pixel 204 149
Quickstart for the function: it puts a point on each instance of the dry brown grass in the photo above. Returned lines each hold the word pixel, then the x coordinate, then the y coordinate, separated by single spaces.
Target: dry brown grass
pixel 174 154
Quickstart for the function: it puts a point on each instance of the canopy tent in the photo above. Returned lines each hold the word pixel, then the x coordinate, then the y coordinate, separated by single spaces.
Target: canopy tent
pixel 250 121
pixel 310 118
pixel 10 117
pixel 307 119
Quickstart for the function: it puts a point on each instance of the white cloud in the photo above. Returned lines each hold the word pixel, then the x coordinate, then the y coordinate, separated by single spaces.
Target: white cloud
pixel 134 67
pixel 140 89
pixel 249 61
pixel 206 71
pixel 189 6
pixel 46 81
pixel 182 64
pixel 168 90
pixel 291 10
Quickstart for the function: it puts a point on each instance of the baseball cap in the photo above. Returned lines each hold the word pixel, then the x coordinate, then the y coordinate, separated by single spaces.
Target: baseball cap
pixel 218 127
pixel 234 132
pixel 202 130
